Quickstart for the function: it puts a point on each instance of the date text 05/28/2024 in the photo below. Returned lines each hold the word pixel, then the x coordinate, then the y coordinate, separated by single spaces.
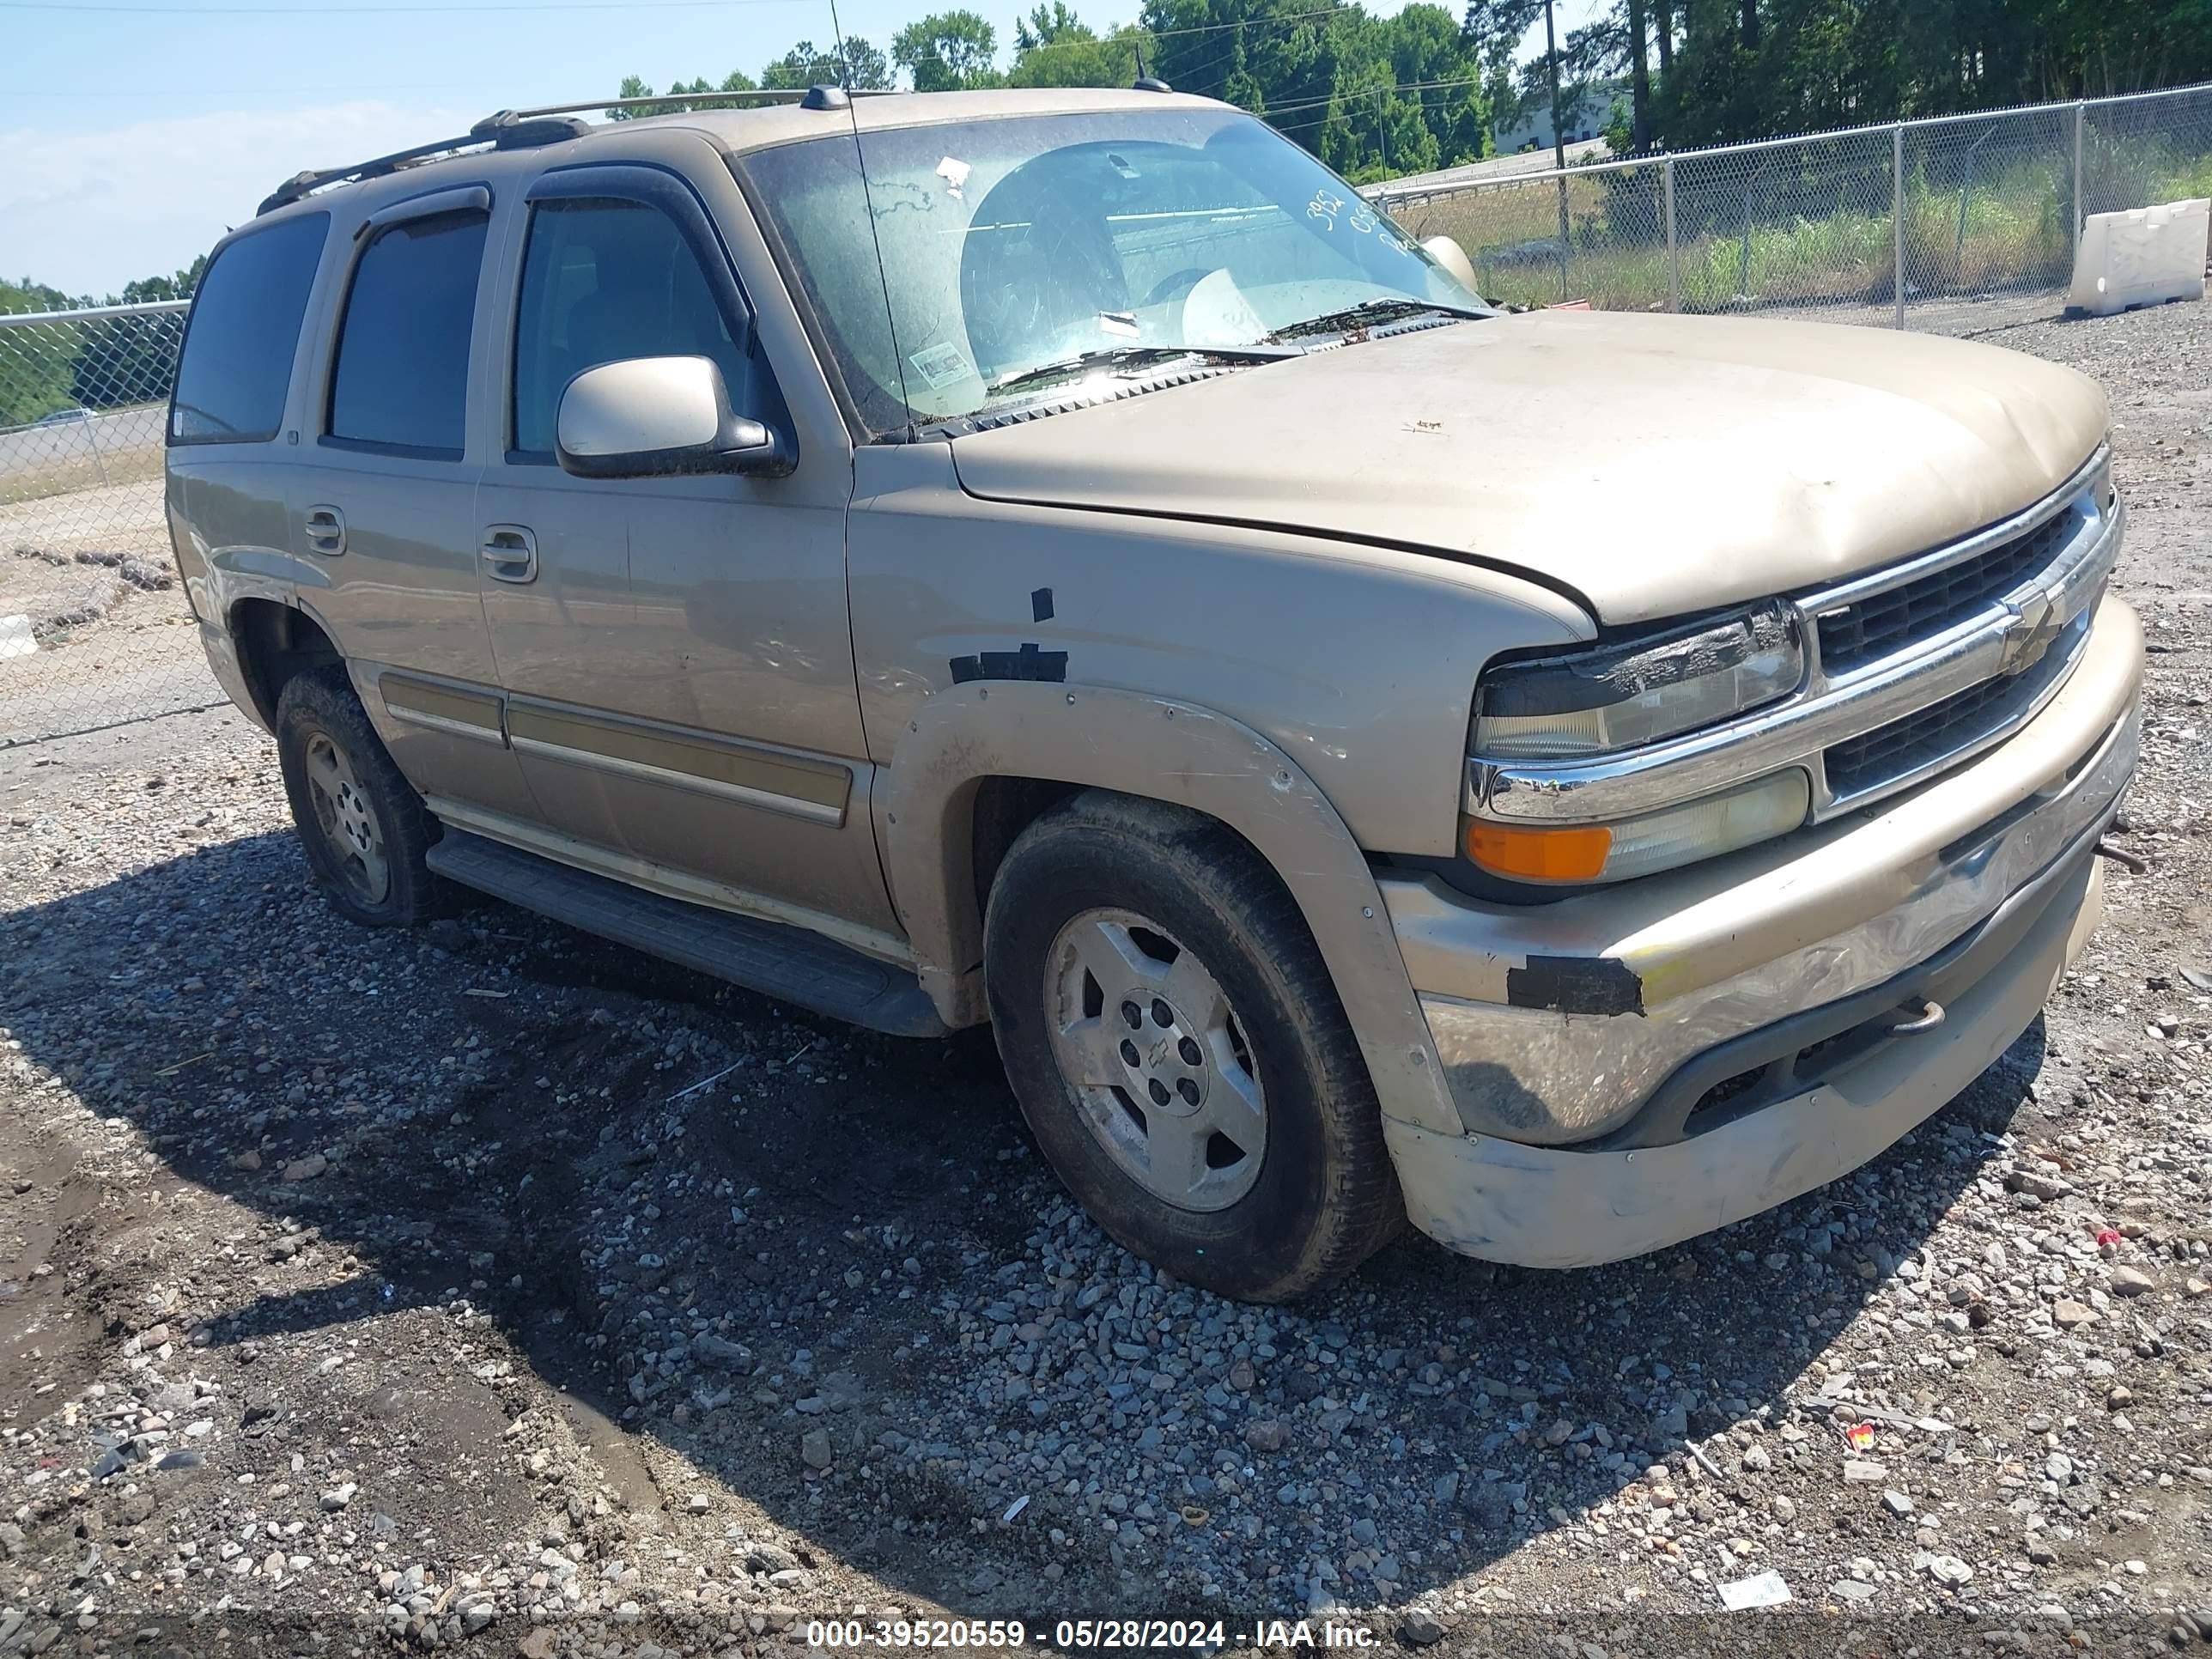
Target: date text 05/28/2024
pixel 1089 1635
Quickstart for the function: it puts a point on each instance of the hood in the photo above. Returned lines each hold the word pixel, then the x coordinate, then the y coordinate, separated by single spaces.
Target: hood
pixel 1649 466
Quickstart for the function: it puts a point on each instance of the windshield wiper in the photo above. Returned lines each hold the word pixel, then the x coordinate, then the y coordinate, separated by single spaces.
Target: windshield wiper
pixel 1130 356
pixel 1381 308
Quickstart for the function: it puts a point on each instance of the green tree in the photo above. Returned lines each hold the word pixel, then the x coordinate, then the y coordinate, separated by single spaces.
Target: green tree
pixel 35 372
pixel 1370 96
pixel 1054 47
pixel 27 295
pixel 799 68
pixel 949 51
pixel 147 290
pixel 1731 69
pixel 122 361
pixel 1050 26
pixel 862 68
pixel 677 102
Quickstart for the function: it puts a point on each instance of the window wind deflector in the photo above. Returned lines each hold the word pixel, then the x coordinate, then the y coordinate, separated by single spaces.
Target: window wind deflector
pixel 1386 308
pixel 1133 356
pixel 465 199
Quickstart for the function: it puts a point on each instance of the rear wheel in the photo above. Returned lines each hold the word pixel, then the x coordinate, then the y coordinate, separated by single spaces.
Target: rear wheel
pixel 1179 1051
pixel 361 825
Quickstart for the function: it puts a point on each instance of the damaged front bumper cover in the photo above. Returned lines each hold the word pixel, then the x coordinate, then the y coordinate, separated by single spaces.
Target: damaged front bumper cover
pixel 1795 1007
pixel 1555 1024
pixel 1551 1206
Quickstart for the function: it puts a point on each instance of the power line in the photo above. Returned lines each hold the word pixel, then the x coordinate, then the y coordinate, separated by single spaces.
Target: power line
pixel 1353 93
pixel 1201 28
pixel 1187 75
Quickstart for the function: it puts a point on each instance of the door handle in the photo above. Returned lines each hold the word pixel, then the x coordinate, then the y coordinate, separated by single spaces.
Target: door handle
pixel 510 553
pixel 327 532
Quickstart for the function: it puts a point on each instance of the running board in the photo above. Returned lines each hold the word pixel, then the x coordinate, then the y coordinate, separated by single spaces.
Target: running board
pixel 777 961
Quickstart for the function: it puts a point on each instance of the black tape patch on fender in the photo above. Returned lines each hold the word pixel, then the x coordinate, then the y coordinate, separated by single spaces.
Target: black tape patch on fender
pixel 1029 663
pixel 1575 985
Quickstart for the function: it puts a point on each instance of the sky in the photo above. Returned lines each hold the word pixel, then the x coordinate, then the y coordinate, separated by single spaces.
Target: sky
pixel 137 131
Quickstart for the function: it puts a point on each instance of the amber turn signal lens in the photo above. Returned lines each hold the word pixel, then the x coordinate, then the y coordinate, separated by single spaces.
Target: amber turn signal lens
pixel 1575 853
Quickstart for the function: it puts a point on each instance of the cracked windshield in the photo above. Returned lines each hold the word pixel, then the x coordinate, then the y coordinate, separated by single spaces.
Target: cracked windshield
pixel 1021 256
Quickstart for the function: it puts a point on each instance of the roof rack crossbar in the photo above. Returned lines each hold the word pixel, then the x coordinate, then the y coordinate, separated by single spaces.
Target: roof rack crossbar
pixel 504 130
pixel 670 101
pixel 549 124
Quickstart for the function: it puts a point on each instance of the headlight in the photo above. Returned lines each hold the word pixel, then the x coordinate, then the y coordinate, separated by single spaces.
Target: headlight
pixel 1595 703
pixel 1664 839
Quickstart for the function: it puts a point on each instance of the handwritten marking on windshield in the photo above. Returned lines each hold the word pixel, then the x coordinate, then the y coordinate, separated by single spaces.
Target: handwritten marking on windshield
pixel 1325 206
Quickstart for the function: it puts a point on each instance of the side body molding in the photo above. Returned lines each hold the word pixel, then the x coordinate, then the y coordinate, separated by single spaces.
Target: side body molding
pixel 1162 750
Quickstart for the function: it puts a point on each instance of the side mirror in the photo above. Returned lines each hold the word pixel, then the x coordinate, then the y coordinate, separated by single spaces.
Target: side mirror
pixel 649 417
pixel 1453 258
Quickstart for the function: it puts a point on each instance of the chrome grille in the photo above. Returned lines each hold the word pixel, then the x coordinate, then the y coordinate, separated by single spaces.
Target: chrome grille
pixel 1902 743
pixel 1913 670
pixel 1873 627
pixel 1953 727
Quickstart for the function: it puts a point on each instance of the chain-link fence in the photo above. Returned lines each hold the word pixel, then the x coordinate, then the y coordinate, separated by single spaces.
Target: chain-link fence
pixel 1952 224
pixel 1949 225
pixel 93 628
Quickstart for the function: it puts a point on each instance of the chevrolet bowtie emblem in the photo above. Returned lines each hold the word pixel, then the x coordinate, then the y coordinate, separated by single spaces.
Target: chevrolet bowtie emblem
pixel 2038 623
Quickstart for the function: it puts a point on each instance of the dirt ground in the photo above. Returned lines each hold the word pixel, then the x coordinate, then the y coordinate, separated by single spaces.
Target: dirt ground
pixel 487 1286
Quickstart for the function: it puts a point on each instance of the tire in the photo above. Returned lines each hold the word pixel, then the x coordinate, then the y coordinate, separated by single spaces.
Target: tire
pixel 1257 1170
pixel 361 825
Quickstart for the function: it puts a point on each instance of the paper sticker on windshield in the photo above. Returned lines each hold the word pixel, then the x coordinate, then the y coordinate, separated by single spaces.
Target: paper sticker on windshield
pixel 954 172
pixel 941 365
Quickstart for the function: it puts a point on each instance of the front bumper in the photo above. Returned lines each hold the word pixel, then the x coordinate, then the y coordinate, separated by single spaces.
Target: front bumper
pixel 1547 1206
pixel 1566 1032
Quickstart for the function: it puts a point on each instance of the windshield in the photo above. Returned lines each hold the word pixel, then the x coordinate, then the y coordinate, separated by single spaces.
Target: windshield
pixel 1011 244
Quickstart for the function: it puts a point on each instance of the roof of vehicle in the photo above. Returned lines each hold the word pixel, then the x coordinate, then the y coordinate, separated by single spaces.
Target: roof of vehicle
pixel 737 130
pixel 794 117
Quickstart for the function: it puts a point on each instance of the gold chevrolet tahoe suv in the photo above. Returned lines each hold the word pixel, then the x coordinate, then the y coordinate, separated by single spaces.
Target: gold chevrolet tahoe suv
pixel 1061 559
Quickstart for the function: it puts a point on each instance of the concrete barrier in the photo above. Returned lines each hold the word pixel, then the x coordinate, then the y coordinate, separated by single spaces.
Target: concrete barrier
pixel 2144 257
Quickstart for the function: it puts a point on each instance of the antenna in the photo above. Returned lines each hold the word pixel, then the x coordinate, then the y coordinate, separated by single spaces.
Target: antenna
pixel 1144 82
pixel 875 235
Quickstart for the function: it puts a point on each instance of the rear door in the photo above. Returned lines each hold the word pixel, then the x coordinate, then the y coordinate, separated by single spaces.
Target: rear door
pixel 675 651
pixel 383 510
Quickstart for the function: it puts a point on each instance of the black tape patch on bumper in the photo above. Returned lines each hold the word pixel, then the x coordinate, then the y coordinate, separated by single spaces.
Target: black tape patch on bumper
pixel 1575 985
pixel 1029 663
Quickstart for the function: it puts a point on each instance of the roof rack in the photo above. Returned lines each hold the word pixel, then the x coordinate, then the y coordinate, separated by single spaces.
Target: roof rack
pixel 529 129
pixel 505 130
pixel 816 97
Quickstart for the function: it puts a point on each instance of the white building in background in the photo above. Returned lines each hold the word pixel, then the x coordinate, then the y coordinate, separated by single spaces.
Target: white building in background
pixel 1586 115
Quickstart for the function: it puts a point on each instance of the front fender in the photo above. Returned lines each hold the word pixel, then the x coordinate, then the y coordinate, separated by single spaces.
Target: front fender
pixel 1161 750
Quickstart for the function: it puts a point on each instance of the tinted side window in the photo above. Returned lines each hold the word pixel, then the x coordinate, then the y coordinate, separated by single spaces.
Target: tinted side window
pixel 403 365
pixel 605 279
pixel 244 329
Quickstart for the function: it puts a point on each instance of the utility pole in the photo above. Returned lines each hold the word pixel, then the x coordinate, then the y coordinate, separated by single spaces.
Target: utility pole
pixel 1639 82
pixel 1558 139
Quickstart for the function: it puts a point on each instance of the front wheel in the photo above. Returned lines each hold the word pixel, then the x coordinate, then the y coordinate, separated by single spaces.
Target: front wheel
pixel 1180 1053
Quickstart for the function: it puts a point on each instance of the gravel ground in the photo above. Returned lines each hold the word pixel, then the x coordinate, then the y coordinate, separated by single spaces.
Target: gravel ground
pixel 488 1287
pixel 92 571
